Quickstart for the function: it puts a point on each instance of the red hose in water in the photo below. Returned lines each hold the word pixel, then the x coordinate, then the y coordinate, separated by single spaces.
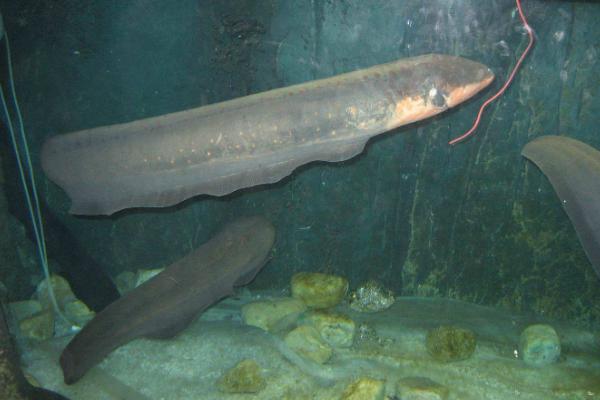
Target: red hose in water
pixel 508 81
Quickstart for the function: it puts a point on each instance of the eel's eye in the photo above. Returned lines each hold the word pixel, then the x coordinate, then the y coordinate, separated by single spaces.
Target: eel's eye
pixel 436 97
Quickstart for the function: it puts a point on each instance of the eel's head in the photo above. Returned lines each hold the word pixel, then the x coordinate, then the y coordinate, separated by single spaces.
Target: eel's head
pixel 433 83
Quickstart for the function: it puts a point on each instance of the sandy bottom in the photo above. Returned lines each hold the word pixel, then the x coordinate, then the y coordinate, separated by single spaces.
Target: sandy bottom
pixel 188 366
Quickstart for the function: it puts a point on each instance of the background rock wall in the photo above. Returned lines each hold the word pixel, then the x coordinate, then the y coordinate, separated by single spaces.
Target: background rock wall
pixel 474 221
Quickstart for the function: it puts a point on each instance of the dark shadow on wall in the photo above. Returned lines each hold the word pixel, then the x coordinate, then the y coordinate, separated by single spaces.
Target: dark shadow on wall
pixel 89 281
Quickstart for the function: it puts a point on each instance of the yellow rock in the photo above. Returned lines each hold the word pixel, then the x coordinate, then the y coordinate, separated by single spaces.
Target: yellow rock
pixel 62 292
pixel 364 389
pixel 39 326
pixel 274 314
pixel 245 377
pixel 450 343
pixel 24 308
pixel 306 341
pixel 336 329
pixel 319 290
pixel 77 312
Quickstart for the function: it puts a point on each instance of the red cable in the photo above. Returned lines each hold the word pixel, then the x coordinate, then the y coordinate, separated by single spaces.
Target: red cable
pixel 508 81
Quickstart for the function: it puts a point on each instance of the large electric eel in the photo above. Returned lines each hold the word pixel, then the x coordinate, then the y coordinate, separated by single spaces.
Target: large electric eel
pixel 573 169
pixel 166 304
pixel 257 139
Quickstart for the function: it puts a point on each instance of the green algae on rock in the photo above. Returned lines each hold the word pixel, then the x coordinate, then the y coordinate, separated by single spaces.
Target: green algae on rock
pixel 245 377
pixel 319 290
pixel 449 343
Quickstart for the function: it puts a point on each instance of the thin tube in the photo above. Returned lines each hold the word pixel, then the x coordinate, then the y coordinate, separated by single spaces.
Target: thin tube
pixel 32 207
pixel 508 81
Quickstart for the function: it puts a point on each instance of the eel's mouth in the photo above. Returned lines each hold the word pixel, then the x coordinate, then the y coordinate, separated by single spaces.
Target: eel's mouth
pixel 463 93
pixel 441 97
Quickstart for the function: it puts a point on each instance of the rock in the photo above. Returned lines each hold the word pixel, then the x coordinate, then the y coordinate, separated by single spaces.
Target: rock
pixel 449 343
pixel 144 275
pixel 539 345
pixel 78 313
pixel 366 333
pixel 125 281
pixel 335 329
pixel 39 326
pixel 371 296
pixel 367 337
pixel 297 393
pixel 75 311
pixel 420 388
pixel 62 292
pixel 24 309
pixel 319 290
pixel 364 389
pixel 31 379
pixel 306 341
pixel 245 377
pixel 273 314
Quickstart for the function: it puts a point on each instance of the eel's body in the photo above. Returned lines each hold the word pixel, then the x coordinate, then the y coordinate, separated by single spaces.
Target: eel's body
pixel 164 305
pixel 573 169
pixel 252 140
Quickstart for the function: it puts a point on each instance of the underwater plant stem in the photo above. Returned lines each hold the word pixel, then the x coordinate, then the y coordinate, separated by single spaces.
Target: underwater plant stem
pixel 529 31
pixel 28 179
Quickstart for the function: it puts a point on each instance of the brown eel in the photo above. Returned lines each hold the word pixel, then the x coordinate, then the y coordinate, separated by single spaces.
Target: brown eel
pixel 573 169
pixel 164 305
pixel 253 140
